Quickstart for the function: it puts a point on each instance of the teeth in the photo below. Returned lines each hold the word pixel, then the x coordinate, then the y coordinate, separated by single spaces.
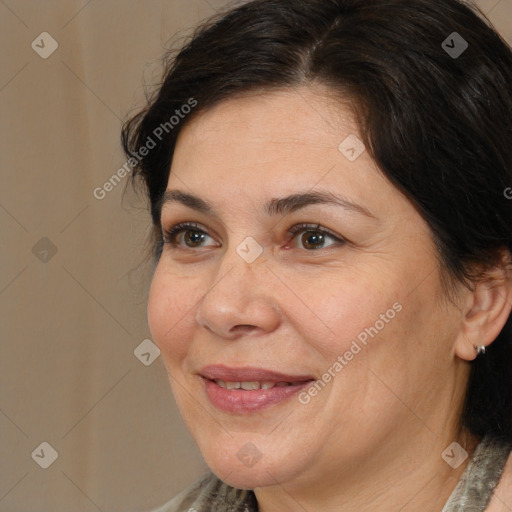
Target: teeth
pixel 251 385
pixel 248 386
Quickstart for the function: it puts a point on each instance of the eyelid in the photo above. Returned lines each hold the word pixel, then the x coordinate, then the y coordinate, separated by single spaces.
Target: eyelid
pixel 297 228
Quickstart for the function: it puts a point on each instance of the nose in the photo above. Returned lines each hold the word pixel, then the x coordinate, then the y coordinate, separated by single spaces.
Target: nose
pixel 239 300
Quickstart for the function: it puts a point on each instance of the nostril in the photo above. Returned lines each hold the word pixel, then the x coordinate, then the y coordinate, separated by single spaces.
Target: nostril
pixel 244 327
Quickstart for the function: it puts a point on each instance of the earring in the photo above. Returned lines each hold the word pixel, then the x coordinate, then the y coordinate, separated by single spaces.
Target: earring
pixel 480 350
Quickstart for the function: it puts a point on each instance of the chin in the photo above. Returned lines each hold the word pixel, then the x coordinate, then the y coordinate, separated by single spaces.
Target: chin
pixel 246 478
pixel 246 467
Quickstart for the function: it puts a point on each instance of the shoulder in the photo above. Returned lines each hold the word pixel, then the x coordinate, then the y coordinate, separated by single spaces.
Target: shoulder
pixel 502 497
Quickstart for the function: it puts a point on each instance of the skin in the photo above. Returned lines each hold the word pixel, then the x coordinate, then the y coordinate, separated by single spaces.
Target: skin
pixel 373 438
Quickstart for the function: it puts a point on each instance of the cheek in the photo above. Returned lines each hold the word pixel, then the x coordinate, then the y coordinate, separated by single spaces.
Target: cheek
pixel 334 310
pixel 170 313
pixel 412 350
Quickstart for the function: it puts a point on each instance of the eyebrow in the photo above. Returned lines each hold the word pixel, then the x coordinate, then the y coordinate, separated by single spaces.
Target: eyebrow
pixel 276 206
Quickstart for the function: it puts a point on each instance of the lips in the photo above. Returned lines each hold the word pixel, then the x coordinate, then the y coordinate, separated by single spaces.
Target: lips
pixel 249 374
pixel 248 390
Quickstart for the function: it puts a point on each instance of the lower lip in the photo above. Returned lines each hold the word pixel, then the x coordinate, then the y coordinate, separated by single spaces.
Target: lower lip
pixel 238 401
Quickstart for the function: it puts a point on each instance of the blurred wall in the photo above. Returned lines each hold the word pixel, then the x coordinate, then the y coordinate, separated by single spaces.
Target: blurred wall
pixel 87 419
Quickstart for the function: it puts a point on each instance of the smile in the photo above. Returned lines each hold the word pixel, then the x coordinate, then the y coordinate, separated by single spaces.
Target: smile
pixel 251 385
pixel 249 390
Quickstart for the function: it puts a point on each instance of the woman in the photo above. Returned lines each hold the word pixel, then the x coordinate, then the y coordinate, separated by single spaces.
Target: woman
pixel 333 290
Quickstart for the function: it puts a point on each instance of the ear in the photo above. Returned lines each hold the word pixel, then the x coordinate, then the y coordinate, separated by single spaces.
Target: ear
pixel 486 309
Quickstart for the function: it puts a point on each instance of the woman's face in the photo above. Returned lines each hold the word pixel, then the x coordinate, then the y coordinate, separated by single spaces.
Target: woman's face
pixel 267 289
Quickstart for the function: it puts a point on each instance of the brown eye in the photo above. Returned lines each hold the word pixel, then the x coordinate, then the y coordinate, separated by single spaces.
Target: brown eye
pixel 193 238
pixel 314 237
pixel 313 240
pixel 186 235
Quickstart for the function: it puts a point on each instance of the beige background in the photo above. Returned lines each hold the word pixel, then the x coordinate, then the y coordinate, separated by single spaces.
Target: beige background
pixel 72 320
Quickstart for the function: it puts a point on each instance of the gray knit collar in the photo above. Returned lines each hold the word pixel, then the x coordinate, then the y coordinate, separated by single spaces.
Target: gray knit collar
pixel 481 476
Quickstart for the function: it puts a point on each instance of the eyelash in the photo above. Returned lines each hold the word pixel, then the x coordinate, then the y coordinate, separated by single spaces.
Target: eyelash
pixel 169 236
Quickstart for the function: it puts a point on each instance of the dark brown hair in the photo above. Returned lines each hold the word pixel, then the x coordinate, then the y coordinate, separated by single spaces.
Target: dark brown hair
pixel 430 83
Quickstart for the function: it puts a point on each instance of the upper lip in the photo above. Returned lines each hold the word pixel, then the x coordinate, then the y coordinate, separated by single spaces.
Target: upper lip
pixel 249 374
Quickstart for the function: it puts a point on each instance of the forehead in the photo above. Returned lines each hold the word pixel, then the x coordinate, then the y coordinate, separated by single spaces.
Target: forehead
pixel 306 115
pixel 284 131
pixel 274 144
